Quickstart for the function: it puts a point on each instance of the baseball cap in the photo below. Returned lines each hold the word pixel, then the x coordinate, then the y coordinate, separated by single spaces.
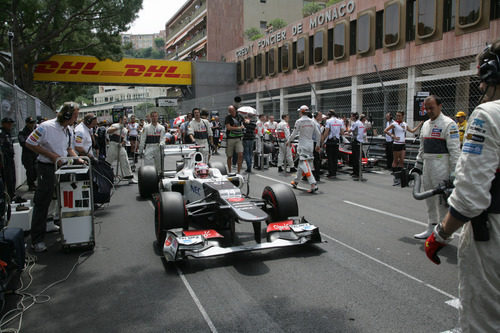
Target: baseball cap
pixel 460 114
pixel 8 120
pixel 29 120
pixel 303 107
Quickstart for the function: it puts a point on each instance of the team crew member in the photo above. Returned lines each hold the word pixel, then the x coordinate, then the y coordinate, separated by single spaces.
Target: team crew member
pixel 285 151
pixel 117 134
pixel 270 128
pixel 51 140
pixel 152 141
pixel 305 128
pixel 133 135
pixel 248 140
pixel 357 131
pixel 318 118
pixel 28 156
pixel 184 127
pixel 234 134
pixel 200 131
pixel 334 128
pixel 260 130
pixel 83 136
pixel 7 147
pixel 476 198
pixel 437 156
pixel 388 142
pixel 462 125
pixel 397 132
pixel 216 132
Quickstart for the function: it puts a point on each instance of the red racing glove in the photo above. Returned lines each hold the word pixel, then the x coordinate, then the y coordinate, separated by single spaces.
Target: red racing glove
pixel 433 246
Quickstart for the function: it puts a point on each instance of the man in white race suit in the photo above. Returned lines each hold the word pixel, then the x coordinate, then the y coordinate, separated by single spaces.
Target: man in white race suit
pixel 476 198
pixel 152 140
pixel 285 151
pixel 437 156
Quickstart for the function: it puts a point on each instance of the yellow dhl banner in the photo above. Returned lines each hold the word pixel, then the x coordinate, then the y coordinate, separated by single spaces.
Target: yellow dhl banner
pixel 67 68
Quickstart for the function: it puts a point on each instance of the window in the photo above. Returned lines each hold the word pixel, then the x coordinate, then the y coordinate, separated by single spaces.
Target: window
pixel 469 12
pixel 391 24
pixel 263 24
pixel 449 15
pixel 239 76
pixel 330 45
pixel 363 34
pixel 248 69
pixel 494 9
pixel 411 7
pixel 426 18
pixel 339 40
pixel 379 29
pixel 301 52
pixel 259 65
pixel 285 57
pixel 318 45
pixel 272 61
pixel 352 37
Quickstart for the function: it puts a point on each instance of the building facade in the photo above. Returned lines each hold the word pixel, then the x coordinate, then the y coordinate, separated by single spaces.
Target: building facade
pixel 206 29
pixel 370 57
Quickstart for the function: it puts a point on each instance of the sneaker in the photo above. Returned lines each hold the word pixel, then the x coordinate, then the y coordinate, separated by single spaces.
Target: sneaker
pixel 313 189
pixel 51 227
pixel 132 181
pixel 396 182
pixel 39 247
pixel 425 234
pixel 293 170
pixel 293 183
pixel 248 170
pixel 280 169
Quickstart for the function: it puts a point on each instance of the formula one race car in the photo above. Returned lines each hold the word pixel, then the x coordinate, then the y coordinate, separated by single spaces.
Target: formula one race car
pixel 198 204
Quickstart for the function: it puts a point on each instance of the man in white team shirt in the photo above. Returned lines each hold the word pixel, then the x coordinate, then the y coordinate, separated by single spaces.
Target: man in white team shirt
pixel 83 136
pixel 334 128
pixel 285 151
pixel 117 134
pixel 51 140
pixel 357 131
pixel 133 136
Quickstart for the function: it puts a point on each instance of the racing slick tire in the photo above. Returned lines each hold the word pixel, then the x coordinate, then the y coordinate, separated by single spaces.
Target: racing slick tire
pixel 218 165
pixel 282 201
pixel 147 181
pixel 170 213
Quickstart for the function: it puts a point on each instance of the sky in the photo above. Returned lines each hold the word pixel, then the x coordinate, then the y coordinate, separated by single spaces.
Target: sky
pixel 153 15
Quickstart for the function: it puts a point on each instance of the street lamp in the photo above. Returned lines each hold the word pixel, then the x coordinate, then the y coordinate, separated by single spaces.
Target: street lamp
pixel 11 42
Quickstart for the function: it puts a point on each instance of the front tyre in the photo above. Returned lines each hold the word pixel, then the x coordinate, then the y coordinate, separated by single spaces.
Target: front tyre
pixel 281 202
pixel 147 181
pixel 169 214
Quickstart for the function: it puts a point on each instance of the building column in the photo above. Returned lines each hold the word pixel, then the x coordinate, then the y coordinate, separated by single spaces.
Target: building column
pixel 283 102
pixel 314 98
pixel 258 105
pixel 356 97
pixel 411 92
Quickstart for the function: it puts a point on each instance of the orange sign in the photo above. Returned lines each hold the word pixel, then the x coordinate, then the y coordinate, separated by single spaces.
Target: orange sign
pixel 66 68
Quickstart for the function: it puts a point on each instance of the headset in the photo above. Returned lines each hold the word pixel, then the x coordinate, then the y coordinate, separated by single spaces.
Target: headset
pixel 67 111
pixel 89 120
pixel 489 70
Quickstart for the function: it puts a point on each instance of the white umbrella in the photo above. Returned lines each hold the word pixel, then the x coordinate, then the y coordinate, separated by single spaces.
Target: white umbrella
pixel 179 120
pixel 247 110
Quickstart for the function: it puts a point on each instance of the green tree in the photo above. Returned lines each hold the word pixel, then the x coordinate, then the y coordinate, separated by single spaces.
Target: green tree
pixel 159 43
pixel 332 2
pixel 311 8
pixel 253 33
pixel 278 23
pixel 43 28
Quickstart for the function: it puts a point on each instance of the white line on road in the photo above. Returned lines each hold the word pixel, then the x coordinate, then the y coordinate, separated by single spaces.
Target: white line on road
pixel 386 213
pixel 197 301
pixel 389 266
pixel 193 295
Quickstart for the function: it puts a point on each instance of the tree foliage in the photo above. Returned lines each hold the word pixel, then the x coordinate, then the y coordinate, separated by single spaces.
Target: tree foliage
pixel 253 33
pixel 278 23
pixel 311 8
pixel 159 43
pixel 43 28
pixel 332 2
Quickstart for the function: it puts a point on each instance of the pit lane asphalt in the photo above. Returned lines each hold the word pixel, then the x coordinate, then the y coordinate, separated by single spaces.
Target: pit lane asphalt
pixel 370 276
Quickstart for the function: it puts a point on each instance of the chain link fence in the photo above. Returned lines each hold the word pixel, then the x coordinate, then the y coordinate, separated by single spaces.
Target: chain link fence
pixel 27 105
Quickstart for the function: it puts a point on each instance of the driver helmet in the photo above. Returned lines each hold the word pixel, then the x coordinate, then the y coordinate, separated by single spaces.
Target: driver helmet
pixel 201 170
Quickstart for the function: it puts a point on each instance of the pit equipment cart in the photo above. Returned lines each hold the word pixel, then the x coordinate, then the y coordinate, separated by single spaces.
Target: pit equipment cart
pixel 75 203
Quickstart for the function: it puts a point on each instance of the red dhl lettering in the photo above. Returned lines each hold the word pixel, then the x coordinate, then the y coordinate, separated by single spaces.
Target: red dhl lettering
pixel 68 67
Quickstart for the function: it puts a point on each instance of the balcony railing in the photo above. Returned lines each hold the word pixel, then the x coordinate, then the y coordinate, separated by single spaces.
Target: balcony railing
pixel 187 44
pixel 180 25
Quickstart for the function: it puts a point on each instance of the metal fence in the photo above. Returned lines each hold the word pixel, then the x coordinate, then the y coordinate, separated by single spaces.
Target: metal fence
pixel 27 105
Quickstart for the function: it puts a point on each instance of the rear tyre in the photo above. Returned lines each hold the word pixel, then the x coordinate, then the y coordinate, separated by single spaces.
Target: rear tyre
pixel 169 214
pixel 148 181
pixel 281 202
pixel 218 165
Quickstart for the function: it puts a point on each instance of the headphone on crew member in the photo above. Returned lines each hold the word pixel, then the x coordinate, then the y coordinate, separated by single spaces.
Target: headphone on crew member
pixel 67 111
pixel 89 120
pixel 489 70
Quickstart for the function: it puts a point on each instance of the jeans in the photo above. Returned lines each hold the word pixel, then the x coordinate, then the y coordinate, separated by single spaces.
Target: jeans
pixel 248 153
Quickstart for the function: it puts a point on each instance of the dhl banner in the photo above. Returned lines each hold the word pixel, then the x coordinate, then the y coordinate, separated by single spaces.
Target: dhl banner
pixel 67 68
